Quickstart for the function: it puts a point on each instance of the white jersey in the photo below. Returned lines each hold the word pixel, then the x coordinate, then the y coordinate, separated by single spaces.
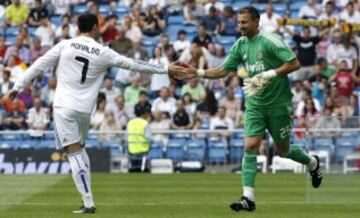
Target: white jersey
pixel 81 65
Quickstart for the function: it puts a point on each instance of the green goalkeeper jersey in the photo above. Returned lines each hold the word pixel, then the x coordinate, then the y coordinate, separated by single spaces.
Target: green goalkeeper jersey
pixel 264 52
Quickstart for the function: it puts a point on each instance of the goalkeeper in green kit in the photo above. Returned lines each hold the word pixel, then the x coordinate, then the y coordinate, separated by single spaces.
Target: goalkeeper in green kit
pixel 267 60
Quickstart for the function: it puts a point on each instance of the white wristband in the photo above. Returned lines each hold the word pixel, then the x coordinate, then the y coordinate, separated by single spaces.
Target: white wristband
pixel 200 72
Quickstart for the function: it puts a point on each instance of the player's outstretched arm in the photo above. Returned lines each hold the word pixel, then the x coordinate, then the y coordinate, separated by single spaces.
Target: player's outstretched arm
pixel 119 61
pixel 212 73
pixel 49 59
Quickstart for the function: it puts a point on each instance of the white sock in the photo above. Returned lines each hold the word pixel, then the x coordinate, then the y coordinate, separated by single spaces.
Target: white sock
pixel 249 192
pixel 85 158
pixel 313 163
pixel 81 176
pixel 87 163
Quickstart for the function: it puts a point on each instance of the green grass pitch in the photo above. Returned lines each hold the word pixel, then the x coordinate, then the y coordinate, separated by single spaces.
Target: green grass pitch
pixel 179 196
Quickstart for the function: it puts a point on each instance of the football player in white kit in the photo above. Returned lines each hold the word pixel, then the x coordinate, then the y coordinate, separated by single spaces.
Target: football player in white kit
pixel 81 65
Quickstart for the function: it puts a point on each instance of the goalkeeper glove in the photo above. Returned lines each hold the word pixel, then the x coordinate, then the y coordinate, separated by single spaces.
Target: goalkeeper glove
pixel 254 85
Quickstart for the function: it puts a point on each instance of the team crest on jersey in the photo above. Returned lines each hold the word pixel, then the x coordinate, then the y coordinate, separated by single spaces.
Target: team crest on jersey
pixel 259 55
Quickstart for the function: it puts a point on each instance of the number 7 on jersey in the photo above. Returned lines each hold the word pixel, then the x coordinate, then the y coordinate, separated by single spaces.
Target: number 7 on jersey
pixel 85 67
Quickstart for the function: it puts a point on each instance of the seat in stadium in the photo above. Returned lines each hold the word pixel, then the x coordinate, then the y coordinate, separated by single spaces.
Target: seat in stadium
pixel 173 29
pixel 12 31
pixel 295 6
pixel 344 146
pixel 79 9
pixel 236 150
pixel 56 20
pixel 175 20
pixel 280 8
pixel 217 153
pixel 156 150
pixel 196 150
pixel 10 40
pixel 46 144
pixel 237 5
pixel 226 40
pixel 321 143
pixel 175 150
pixel 104 8
pixel 260 6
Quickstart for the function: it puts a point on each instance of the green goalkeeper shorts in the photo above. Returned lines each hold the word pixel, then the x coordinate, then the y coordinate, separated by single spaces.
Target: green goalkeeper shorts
pixel 278 121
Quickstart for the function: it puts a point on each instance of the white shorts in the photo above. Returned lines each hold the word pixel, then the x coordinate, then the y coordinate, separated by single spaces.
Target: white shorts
pixel 70 126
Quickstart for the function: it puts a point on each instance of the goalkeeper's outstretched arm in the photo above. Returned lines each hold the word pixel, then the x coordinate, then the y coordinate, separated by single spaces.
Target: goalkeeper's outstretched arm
pixel 288 67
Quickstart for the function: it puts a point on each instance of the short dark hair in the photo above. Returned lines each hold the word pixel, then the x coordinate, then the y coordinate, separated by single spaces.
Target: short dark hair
pixel 252 11
pixel 86 22
pixel 143 93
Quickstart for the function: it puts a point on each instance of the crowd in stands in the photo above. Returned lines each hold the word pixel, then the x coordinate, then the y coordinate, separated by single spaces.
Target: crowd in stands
pixel 324 88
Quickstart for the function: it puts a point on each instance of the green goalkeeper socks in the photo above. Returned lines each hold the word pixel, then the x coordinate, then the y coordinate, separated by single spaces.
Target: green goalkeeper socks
pixel 249 168
pixel 297 154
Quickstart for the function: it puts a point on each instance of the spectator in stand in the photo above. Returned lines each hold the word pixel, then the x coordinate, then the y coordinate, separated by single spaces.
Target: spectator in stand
pixel 302 104
pixel 26 95
pixel 181 119
pixel 310 113
pixel 344 80
pixel 326 70
pixel 36 13
pixel 193 12
pixel 207 107
pixel 121 44
pixel 60 6
pixel 15 69
pixel 26 38
pixel 203 55
pixel 195 89
pixel 202 39
pixel 190 105
pixel 297 91
pixel 232 105
pixel 348 53
pixel 164 103
pixel 160 4
pixel 158 81
pixel 133 32
pixel 330 12
pixel 65 33
pixel 131 93
pixel 154 23
pixel 350 15
pixel 318 84
pixel 268 20
pixel 218 5
pixel 137 52
pixel 67 21
pixel 37 50
pixel 109 123
pixel 159 123
pixel 121 113
pixel 110 92
pixel 229 24
pixel 218 55
pixel 22 51
pixel 48 92
pixel 310 10
pixel 221 122
pixel 108 31
pixel 15 120
pixel 38 118
pixel 143 104
pixel 212 22
pixel 99 114
pixel 5 85
pixel 46 32
pixel 306 53
pixel 234 82
pixel 94 9
pixel 334 47
pixel 327 121
pixel 181 43
pixel 16 14
pixel 137 15
pixel 3 47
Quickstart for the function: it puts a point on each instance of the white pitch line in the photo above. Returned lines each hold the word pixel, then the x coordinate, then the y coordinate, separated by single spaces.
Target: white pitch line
pixel 170 204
